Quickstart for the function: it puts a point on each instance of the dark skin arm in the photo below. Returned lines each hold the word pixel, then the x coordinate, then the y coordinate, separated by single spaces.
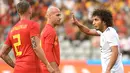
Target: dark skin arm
pixel 113 58
pixel 4 55
pixel 40 53
pixel 83 28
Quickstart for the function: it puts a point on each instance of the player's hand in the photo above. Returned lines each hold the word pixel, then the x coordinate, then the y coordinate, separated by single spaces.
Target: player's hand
pixel 57 71
pixel 108 71
pixel 50 69
pixel 74 20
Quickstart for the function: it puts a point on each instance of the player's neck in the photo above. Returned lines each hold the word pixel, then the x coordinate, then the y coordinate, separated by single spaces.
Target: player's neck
pixel 24 17
pixel 104 28
pixel 49 22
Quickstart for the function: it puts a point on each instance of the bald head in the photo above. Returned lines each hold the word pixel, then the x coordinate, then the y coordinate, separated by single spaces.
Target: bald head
pixel 53 15
pixel 52 10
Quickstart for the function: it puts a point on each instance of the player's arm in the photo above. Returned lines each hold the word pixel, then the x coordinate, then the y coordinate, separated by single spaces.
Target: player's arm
pixel 113 58
pixel 39 52
pixel 113 43
pixel 83 28
pixel 4 55
pixel 50 57
pixel 49 49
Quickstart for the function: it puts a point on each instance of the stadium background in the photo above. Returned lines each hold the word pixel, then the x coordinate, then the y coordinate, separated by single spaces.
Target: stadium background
pixel 79 53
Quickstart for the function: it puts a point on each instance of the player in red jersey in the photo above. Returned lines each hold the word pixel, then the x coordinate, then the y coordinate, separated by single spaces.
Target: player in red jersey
pixel 24 39
pixel 49 39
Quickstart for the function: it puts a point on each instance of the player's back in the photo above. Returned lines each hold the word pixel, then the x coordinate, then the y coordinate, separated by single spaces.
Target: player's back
pixel 26 59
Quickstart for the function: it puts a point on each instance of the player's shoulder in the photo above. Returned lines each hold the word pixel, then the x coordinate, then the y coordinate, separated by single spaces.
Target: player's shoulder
pixel 32 22
pixel 49 28
pixel 110 31
pixel 29 21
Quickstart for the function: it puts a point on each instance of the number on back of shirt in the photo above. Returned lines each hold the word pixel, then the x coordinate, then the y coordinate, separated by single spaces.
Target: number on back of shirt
pixel 17 44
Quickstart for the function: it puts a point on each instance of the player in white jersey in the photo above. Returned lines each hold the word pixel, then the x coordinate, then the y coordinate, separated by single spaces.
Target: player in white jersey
pixel 111 57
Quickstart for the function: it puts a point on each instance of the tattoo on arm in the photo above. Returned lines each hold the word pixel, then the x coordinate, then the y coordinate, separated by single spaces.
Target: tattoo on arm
pixel 6 57
pixel 8 60
pixel 34 45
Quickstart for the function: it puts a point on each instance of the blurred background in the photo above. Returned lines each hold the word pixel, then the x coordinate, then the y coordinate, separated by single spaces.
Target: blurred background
pixel 80 53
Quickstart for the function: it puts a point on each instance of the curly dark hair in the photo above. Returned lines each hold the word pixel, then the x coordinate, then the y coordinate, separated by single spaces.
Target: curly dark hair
pixel 105 15
pixel 22 7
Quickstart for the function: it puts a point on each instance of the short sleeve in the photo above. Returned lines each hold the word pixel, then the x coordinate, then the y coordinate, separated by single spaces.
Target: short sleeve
pixel 99 32
pixel 34 29
pixel 112 39
pixel 8 41
pixel 50 38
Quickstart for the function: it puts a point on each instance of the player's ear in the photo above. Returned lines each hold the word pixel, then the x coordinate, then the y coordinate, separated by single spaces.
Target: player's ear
pixel 46 16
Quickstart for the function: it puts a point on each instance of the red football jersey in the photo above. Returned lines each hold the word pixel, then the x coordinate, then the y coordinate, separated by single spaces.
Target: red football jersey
pixel 19 39
pixel 50 45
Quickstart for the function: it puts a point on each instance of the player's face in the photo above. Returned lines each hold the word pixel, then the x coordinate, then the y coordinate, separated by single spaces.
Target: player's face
pixel 56 17
pixel 97 22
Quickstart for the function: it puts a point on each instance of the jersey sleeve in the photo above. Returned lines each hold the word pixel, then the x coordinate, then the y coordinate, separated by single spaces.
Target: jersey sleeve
pixel 99 32
pixel 8 41
pixel 34 29
pixel 112 39
pixel 49 44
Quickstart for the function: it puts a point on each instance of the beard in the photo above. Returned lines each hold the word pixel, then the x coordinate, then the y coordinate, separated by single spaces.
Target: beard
pixel 96 28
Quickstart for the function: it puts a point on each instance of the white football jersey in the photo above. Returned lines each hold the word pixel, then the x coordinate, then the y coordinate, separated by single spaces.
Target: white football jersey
pixel 108 39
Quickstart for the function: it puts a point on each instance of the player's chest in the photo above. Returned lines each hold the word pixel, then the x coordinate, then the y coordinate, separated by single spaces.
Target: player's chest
pixel 103 41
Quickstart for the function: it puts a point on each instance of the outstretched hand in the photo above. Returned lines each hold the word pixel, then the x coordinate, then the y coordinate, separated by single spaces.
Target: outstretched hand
pixel 74 20
pixel 108 71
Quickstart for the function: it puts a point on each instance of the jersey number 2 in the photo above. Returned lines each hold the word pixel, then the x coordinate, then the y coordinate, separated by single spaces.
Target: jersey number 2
pixel 18 43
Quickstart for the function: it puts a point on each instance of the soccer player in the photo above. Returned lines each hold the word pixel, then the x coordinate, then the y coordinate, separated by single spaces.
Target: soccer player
pixel 49 39
pixel 24 39
pixel 111 56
